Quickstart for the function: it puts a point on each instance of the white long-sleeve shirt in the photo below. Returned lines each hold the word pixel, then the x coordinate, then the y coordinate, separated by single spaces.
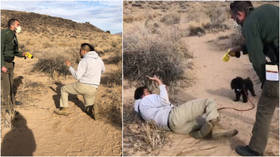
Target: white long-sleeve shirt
pixel 155 107
pixel 89 69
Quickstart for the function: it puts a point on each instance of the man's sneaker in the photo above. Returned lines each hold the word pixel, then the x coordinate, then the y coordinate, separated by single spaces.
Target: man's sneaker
pixel 204 131
pixel 62 111
pixel 246 151
pixel 89 111
pixel 222 134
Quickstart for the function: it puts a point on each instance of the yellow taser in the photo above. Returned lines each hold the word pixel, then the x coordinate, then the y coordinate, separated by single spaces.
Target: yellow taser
pixel 226 57
pixel 28 55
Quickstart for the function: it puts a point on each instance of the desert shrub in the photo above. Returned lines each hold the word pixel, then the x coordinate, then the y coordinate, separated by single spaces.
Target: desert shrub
pixel 196 31
pixel 112 78
pixel 154 54
pixel 139 135
pixel 152 135
pixel 113 60
pixel 217 18
pixel 139 64
pixel 52 66
pixel 170 19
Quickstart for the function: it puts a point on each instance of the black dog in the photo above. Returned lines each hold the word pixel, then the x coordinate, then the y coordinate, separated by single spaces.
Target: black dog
pixel 241 87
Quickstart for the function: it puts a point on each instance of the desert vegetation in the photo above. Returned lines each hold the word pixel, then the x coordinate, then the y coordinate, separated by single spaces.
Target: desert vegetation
pixel 51 41
pixel 156 38
pixel 152 46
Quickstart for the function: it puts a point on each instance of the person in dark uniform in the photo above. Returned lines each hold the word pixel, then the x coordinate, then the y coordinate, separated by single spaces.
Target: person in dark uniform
pixel 9 49
pixel 260 29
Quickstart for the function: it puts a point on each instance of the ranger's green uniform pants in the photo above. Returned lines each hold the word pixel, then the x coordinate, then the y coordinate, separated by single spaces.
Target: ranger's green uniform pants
pixel 265 108
pixel 192 115
pixel 7 84
pixel 86 90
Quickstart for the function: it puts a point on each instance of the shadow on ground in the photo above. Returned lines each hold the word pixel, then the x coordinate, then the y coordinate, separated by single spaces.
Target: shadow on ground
pixel 112 116
pixel 17 82
pixel 72 97
pixel 224 92
pixel 20 140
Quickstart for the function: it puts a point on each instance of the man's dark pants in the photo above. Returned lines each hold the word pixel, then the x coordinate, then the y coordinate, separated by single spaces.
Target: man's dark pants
pixel 7 82
pixel 268 101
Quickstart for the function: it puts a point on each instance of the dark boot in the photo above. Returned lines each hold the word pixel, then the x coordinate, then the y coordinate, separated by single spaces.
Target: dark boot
pixel 89 111
pixel 246 151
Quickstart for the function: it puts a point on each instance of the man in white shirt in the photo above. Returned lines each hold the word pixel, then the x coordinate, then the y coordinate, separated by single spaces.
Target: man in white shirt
pixel 88 75
pixel 196 117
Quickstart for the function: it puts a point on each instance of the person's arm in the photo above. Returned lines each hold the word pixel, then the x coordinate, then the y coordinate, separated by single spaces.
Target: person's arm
pixel 82 67
pixel 254 46
pixel 164 95
pixel 235 51
pixel 136 105
pixel 163 92
pixel 3 49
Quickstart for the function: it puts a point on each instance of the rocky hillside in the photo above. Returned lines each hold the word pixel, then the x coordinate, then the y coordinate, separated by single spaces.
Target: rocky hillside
pixel 34 22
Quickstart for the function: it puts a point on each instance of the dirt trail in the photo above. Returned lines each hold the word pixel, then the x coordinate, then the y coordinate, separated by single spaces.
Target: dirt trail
pixel 45 133
pixel 212 80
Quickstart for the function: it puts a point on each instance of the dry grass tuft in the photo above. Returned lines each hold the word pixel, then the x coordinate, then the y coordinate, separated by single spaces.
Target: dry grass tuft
pixel 217 16
pixel 196 31
pixel 170 19
pixel 154 54
pixel 140 135
pixel 112 78
pixel 113 60
pixel 52 66
pixel 139 64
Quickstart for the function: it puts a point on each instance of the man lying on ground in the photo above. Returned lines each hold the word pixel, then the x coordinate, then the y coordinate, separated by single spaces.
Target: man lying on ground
pixel 196 117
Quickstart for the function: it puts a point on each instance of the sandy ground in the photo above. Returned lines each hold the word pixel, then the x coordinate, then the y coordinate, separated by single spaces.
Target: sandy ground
pixel 212 80
pixel 40 132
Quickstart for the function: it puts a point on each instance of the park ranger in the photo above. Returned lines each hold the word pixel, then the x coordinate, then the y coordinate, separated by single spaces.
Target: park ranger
pixel 260 28
pixel 9 49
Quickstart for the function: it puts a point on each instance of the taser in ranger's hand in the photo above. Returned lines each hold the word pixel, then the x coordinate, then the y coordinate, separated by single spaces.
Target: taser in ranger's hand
pixel 226 57
pixel 28 55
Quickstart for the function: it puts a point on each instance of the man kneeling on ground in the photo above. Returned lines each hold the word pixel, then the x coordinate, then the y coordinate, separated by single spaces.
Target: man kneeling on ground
pixel 88 75
pixel 196 117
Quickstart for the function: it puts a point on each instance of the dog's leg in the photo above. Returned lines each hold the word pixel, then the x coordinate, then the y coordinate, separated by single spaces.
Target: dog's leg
pixel 244 96
pixel 237 96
